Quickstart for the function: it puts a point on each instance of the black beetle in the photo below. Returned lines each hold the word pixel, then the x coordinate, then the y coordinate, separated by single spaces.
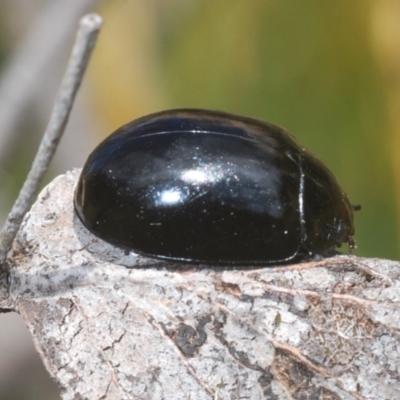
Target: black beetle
pixel 212 187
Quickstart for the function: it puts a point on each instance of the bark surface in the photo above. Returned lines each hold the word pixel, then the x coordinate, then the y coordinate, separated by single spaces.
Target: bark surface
pixel 113 325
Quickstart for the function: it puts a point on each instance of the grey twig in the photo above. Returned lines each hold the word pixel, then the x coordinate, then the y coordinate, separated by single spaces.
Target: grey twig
pixel 86 37
pixel 19 83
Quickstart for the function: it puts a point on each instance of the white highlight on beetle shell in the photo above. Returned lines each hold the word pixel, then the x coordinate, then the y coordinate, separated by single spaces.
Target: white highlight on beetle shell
pixel 194 176
pixel 206 173
pixel 169 197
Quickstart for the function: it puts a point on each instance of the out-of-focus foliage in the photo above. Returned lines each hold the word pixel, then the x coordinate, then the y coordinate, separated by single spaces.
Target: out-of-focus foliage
pixel 308 66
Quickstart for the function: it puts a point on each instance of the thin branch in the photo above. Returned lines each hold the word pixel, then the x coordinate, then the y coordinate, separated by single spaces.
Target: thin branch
pixel 86 37
pixel 19 85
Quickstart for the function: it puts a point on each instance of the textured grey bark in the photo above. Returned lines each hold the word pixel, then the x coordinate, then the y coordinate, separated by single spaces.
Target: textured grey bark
pixel 112 325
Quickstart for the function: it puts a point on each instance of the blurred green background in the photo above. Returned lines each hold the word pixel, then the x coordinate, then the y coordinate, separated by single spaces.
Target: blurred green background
pixel 329 72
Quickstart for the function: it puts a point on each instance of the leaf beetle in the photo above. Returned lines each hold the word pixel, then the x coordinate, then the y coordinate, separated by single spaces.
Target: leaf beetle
pixel 213 188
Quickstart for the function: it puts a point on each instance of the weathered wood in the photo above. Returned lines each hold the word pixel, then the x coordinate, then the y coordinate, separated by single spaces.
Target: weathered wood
pixel 112 325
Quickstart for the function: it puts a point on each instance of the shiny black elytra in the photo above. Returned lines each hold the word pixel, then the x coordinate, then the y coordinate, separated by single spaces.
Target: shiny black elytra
pixel 210 187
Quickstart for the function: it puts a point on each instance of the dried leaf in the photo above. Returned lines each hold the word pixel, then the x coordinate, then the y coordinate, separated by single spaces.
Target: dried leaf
pixel 113 325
